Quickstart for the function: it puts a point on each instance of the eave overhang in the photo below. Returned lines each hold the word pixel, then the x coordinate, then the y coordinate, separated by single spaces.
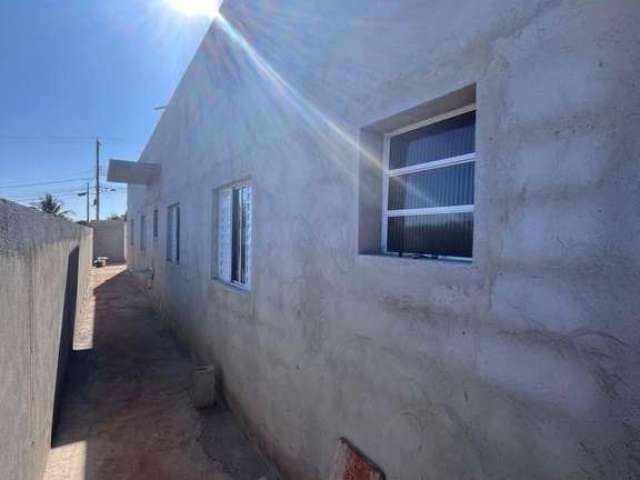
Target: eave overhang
pixel 137 173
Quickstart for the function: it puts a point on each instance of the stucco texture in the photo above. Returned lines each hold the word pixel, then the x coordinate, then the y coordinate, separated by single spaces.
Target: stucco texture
pixel 522 364
pixel 44 266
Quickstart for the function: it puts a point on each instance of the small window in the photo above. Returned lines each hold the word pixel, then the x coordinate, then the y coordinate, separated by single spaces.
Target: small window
pixel 234 234
pixel 142 233
pixel 173 233
pixel 155 223
pixel 429 187
pixel 131 232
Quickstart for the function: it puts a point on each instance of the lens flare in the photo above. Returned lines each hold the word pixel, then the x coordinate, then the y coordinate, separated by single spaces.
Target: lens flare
pixel 196 8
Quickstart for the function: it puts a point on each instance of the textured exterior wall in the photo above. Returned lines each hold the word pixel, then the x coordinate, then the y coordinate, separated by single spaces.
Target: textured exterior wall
pixel 522 364
pixel 109 239
pixel 44 268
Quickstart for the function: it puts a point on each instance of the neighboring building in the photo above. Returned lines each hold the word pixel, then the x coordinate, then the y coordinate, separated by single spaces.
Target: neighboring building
pixel 411 224
pixel 109 239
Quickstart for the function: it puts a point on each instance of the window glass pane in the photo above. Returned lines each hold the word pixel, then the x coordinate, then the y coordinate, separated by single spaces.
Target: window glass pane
pixel 234 234
pixel 170 222
pixel 445 234
pixel 445 139
pixel 236 237
pixel 142 232
pixel 224 235
pixel 241 234
pixel 440 187
pixel 155 223
pixel 177 242
pixel 245 247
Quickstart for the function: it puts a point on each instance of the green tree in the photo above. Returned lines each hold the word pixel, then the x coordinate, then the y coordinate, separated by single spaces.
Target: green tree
pixel 52 205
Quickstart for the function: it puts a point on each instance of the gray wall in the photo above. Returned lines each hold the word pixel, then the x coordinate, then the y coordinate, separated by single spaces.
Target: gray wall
pixel 522 364
pixel 109 239
pixel 44 269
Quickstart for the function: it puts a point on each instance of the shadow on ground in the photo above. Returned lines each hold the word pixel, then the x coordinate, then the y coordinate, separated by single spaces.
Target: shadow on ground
pixel 126 411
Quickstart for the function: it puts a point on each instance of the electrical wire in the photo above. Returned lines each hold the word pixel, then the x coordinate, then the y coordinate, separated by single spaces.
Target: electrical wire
pixel 50 182
pixel 58 138
pixel 67 194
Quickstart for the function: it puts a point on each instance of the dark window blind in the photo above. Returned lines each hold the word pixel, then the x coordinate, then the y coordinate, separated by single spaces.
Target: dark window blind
pixel 432 188
pixel 155 223
pixel 443 234
pixel 445 139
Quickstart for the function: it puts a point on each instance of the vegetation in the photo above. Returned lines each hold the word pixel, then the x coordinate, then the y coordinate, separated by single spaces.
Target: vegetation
pixel 51 205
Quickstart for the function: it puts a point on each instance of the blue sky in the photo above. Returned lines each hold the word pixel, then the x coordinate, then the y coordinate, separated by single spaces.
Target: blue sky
pixel 73 70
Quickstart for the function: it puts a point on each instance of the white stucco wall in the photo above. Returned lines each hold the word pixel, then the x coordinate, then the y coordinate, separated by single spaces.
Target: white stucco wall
pixel 523 364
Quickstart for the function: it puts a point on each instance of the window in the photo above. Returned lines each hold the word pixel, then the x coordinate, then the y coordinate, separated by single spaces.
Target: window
pixel 173 233
pixel 142 232
pixel 428 187
pixel 234 234
pixel 132 226
pixel 155 223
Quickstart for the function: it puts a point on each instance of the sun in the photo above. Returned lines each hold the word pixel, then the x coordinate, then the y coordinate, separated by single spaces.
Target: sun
pixel 196 8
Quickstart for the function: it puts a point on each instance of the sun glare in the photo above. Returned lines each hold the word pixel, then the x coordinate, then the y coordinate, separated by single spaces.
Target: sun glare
pixel 196 8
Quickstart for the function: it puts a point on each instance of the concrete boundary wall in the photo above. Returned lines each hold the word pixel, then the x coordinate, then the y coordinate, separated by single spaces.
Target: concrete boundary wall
pixel 44 275
pixel 109 239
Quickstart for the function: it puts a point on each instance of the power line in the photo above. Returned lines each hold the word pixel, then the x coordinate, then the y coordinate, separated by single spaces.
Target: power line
pixel 51 182
pixel 43 137
pixel 56 138
pixel 37 184
pixel 66 194
pixel 64 188
pixel 51 192
pixel 36 191
pixel 104 187
pixel 91 171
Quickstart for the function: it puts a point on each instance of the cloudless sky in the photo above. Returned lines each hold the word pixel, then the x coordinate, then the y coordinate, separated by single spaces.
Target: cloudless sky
pixel 73 70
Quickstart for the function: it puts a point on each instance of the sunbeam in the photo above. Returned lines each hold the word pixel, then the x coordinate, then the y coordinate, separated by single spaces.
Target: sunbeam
pixel 196 8
pixel 311 114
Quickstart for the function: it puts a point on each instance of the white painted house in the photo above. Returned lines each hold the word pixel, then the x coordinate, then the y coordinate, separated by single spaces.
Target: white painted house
pixel 412 224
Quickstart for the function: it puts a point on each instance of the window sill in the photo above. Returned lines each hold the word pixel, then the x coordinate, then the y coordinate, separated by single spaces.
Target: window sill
pixel 415 259
pixel 231 286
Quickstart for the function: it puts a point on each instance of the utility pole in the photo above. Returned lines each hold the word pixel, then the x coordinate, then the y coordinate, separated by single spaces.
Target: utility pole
pixel 97 179
pixel 88 205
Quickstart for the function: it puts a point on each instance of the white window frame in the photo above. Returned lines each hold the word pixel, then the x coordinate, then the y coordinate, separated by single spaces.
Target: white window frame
pixel 229 188
pixel 143 232
pixel 436 164
pixel 173 234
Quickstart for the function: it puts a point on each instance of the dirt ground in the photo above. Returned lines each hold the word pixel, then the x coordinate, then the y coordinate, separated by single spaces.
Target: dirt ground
pixel 126 412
